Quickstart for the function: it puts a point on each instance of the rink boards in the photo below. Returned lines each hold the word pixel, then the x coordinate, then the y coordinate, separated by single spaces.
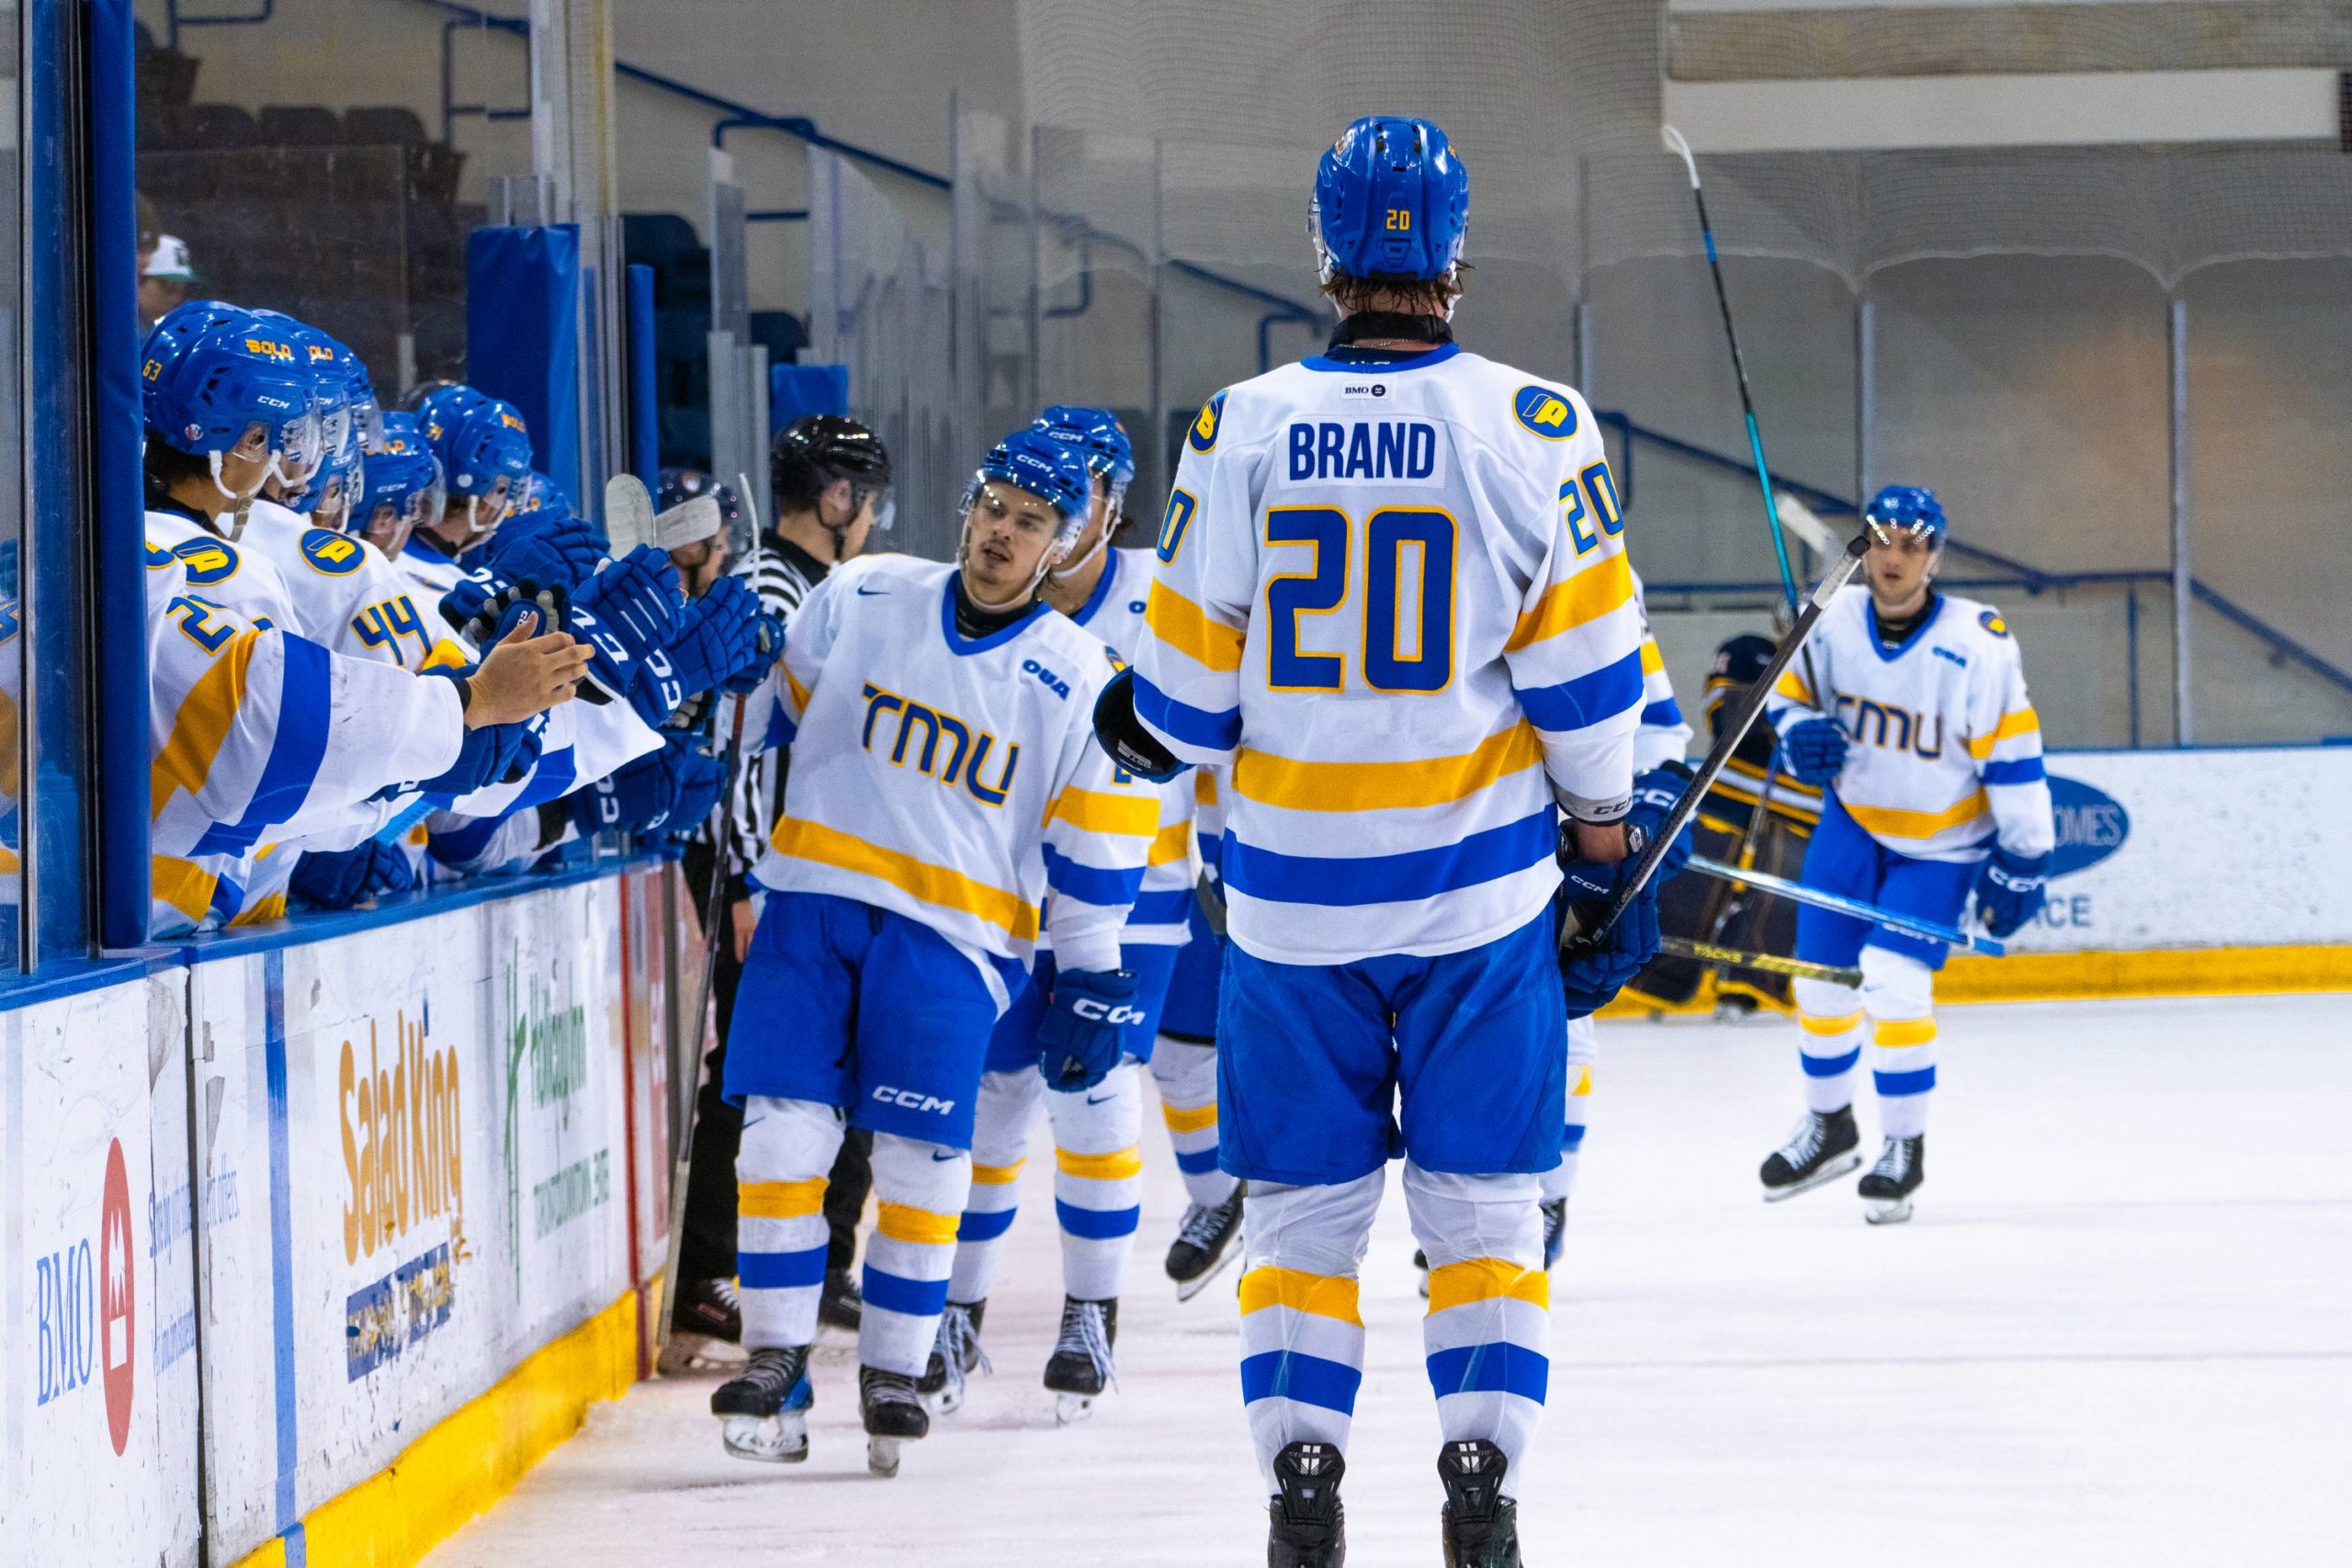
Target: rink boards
pixel 268 1217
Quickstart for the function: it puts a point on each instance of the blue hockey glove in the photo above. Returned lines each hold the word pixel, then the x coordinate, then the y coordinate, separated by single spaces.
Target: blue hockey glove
pixel 672 788
pixel 625 614
pixel 560 549
pixel 1079 1038
pixel 767 646
pixel 1592 973
pixel 1655 793
pixel 338 880
pixel 484 606
pixel 1813 749
pixel 464 605
pixel 717 635
pixel 2010 890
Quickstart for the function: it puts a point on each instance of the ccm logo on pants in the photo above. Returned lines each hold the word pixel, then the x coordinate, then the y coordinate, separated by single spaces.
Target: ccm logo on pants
pixel 909 1099
pixel 1093 1011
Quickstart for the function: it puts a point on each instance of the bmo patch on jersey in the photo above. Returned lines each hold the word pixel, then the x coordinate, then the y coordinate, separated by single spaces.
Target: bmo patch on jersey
pixel 1545 413
pixel 1201 437
pixel 337 555
pixel 1991 621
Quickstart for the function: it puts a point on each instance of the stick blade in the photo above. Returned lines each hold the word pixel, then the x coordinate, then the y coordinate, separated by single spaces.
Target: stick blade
pixel 1800 519
pixel 628 514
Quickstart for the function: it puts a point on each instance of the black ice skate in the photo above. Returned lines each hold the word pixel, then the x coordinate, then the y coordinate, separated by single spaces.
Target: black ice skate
pixel 894 1417
pixel 1886 1188
pixel 1821 1149
pixel 707 1328
pixel 1555 1230
pixel 1080 1367
pixel 839 1304
pixel 953 1353
pixel 765 1413
pixel 1421 1266
pixel 1481 1525
pixel 1204 1244
pixel 1307 1526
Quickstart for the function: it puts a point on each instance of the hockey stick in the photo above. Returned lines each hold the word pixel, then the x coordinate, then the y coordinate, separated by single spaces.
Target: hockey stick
pixel 1837 903
pixel 1769 963
pixel 1587 925
pixel 682 1164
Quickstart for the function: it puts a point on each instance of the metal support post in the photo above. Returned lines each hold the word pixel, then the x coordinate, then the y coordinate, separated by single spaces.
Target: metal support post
pixel 2183 583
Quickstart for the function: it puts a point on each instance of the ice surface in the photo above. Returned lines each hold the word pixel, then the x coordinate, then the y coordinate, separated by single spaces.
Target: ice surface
pixel 2119 1332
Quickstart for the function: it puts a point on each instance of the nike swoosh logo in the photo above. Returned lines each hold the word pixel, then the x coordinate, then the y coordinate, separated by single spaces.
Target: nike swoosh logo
pixel 1101 1100
pixel 867 592
pixel 941 1156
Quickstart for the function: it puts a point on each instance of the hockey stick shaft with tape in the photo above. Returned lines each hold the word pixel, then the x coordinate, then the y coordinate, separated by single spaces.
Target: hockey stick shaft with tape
pixel 1573 929
pixel 1766 963
pixel 1837 903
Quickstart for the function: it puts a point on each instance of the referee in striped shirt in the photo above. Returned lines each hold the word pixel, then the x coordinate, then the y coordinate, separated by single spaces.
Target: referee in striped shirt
pixel 831 479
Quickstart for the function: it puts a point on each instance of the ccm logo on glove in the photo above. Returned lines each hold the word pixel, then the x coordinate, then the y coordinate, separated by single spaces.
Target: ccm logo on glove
pixel 1095 1012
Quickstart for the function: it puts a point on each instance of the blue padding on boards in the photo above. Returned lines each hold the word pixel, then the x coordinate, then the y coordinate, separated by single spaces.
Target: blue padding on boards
pixel 522 334
pixel 797 389
pixel 644 391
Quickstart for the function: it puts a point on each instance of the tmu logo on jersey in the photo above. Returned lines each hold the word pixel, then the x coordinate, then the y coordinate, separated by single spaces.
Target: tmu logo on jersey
pixel 960 762
pixel 1363 451
pixel 2092 825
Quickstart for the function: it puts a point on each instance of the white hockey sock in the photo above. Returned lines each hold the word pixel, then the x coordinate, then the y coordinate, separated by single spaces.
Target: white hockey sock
pixel 787 1147
pixel 1903 1069
pixel 1829 1042
pixel 1899 992
pixel 1561 1180
pixel 918 1185
pixel 1487 1335
pixel 1098 1179
pixel 1302 1338
pixel 1186 1076
pixel 1003 1117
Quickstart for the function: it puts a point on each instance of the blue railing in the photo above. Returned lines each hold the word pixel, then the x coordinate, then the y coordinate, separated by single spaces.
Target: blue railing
pixel 174 19
pixel 2283 648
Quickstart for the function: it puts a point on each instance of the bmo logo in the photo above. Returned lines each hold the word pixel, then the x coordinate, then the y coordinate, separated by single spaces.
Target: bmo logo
pixel 85 1325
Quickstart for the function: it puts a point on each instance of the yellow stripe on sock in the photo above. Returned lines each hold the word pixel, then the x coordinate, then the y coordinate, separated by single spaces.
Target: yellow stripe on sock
pixel 1903 1031
pixel 1117 1166
pixel 1827 1028
pixel 780 1200
pixel 1485 1279
pixel 1189 1118
pixel 1324 1296
pixel 917 1227
pixel 996 1175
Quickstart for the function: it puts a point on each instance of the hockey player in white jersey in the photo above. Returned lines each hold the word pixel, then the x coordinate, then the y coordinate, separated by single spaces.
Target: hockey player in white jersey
pixel 1928 753
pixel 1097 1132
pixel 1393 600
pixel 944 779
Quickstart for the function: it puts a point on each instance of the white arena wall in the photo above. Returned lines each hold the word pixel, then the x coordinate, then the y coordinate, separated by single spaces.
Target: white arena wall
pixel 399 1193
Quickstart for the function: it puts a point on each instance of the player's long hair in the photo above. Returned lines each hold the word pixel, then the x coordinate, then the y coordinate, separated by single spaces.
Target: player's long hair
pixel 1405 295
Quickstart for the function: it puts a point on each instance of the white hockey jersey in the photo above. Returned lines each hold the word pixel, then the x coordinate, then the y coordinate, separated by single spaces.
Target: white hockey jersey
pixel 1114 612
pixel 346 595
pixel 1665 734
pixel 952 780
pixel 1944 747
pixel 1394 597
pixel 256 729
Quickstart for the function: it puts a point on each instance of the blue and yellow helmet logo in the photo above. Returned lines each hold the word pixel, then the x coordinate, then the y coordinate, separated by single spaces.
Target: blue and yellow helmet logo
pixel 209 561
pixel 270 348
pixel 1201 437
pixel 330 552
pixel 1991 621
pixel 1546 413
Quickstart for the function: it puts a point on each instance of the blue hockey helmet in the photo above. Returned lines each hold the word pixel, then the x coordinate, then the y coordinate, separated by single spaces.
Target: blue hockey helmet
pixel 1906 509
pixel 1096 433
pixel 485 447
pixel 404 488
pixel 224 382
pixel 1053 471
pixel 1391 201
pixel 359 392
pixel 330 389
pixel 541 493
pixel 170 337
